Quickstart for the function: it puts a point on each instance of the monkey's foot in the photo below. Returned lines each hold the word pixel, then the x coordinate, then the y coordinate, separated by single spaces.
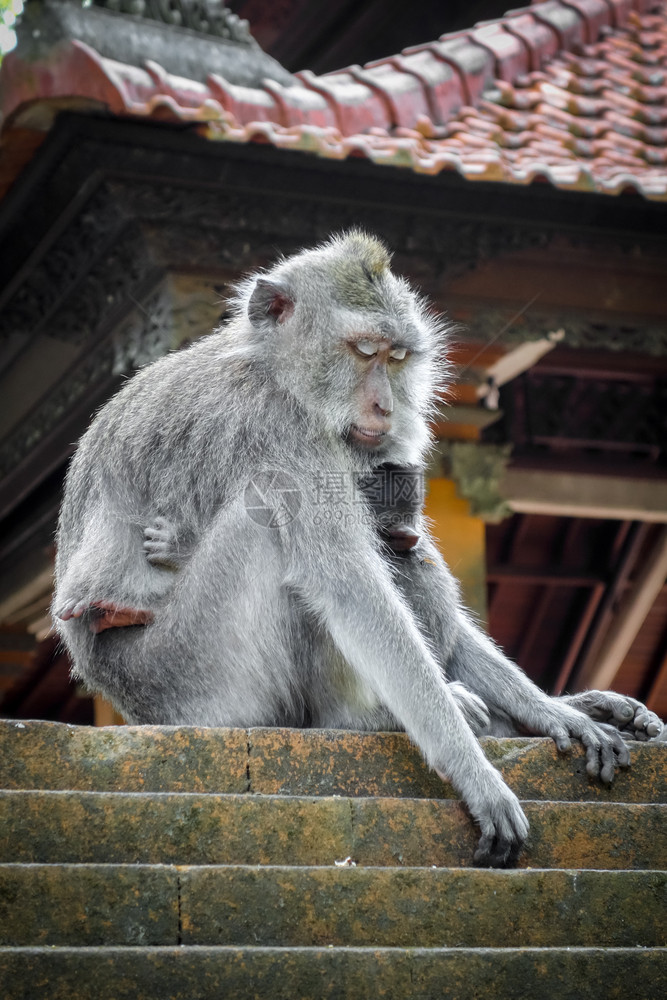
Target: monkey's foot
pixel 105 614
pixel 634 720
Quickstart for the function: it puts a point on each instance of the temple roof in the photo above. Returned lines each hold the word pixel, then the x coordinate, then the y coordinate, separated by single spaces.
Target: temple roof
pixel 572 93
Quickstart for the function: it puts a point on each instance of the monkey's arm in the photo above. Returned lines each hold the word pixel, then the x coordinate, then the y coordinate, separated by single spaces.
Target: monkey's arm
pixel 468 655
pixel 105 579
pixel 395 493
pixel 502 685
pixel 352 594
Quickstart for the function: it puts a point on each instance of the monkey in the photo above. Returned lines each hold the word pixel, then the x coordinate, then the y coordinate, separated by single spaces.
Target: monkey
pixel 396 496
pixel 212 570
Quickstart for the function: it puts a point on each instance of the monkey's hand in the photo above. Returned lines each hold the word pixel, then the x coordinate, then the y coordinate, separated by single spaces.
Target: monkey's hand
pixel 102 615
pixel 630 717
pixel 604 745
pixel 500 817
pixel 161 544
pixel 473 708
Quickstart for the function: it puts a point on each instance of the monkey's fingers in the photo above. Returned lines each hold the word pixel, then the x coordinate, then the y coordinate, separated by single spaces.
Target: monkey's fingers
pixel 603 706
pixel 646 722
pixel 634 717
pixel 561 739
pixel 485 855
pixel 605 751
pixel 504 830
pixel 626 713
pixel 622 712
pixel 73 609
pixel 156 550
pixel 160 545
pixel 496 852
pixel 611 707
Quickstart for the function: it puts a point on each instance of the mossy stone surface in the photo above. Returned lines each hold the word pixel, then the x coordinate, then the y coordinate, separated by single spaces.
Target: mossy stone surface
pixel 55 756
pixel 435 907
pixel 176 828
pixel 332 973
pixel 88 905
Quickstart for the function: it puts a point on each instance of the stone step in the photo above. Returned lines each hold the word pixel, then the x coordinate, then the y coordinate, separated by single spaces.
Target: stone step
pixel 209 973
pixel 96 905
pixel 189 828
pixel 51 755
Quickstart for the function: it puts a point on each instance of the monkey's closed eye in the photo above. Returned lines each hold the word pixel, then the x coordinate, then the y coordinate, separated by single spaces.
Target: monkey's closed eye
pixel 398 354
pixel 366 348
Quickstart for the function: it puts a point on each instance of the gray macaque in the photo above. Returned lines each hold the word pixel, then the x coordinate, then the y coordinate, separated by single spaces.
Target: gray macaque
pixel 212 569
pixel 396 495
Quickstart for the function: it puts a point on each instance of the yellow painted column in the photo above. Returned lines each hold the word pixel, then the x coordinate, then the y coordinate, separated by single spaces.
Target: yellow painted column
pixel 105 713
pixel 461 540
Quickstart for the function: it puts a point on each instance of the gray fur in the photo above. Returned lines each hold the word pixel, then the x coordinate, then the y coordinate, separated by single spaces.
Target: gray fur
pixel 306 621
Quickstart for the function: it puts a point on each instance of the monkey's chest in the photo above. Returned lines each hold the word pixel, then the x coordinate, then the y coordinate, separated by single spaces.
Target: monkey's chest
pixel 336 695
pixel 349 689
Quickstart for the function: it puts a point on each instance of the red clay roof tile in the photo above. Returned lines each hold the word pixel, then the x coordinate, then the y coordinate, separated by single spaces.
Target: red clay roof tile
pixel 540 39
pixel 596 15
pixel 443 89
pixel 510 53
pixel 473 62
pixel 569 91
pixel 569 26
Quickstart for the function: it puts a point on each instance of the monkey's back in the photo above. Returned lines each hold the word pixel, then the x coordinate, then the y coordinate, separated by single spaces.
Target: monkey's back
pixel 168 441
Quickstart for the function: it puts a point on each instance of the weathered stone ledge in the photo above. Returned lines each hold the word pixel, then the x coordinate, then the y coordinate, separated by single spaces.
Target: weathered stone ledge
pixel 209 973
pixel 91 905
pixel 51 755
pixel 180 828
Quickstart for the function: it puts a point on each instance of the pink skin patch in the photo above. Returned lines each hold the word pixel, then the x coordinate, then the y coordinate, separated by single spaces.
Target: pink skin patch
pixel 106 614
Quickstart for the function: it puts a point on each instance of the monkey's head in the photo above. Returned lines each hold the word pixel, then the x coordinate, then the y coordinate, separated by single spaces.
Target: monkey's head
pixel 353 343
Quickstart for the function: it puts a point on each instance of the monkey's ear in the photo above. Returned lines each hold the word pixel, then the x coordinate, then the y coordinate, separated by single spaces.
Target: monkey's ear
pixel 270 302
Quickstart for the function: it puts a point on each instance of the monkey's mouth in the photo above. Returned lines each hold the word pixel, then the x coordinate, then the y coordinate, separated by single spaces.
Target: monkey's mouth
pixel 364 435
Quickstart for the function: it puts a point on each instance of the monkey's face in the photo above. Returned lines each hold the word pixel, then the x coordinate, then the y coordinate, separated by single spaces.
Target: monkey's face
pixel 373 383
pixel 375 359
pixel 388 357
pixel 353 345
